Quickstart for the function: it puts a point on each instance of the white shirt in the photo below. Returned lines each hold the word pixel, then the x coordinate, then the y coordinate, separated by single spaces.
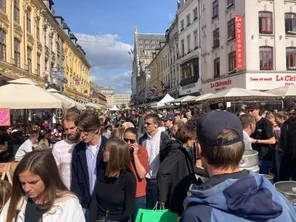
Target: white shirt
pixel 26 147
pixel 62 152
pixel 67 209
pixel 247 141
pixel 152 145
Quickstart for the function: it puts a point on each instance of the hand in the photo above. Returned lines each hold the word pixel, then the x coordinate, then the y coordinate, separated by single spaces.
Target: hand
pixel 162 206
pixel 253 140
pixel 136 148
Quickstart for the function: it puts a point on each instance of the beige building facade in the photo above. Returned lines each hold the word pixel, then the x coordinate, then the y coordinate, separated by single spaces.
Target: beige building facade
pixel 269 44
pixel 121 100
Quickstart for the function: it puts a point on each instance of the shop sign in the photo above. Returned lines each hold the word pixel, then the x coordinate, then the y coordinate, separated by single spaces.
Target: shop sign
pixel 239 42
pixel 4 117
pixel 226 83
pixel 189 89
pixel 269 80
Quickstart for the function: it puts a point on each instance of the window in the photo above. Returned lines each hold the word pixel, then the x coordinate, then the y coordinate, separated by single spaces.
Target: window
pixel 17 54
pixel 3 5
pixel 266 57
pixel 216 38
pixel 182 25
pixel 38 29
pixel 195 39
pixel 182 48
pixel 188 20
pixel 265 22
pixel 217 68
pixel 29 59
pixel 188 44
pixel 45 35
pixel 232 61
pixel 215 8
pixel 231 29
pixel 28 13
pixel 290 22
pixel 38 64
pixel 16 14
pixel 2 45
pixel 195 13
pixel 291 58
pixel 230 2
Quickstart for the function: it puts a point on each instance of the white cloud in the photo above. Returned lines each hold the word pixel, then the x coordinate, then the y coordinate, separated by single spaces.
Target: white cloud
pixel 121 82
pixel 105 52
pixel 93 78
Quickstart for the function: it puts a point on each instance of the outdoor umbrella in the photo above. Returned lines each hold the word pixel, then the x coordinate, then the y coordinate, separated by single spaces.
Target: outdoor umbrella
pixel 203 97
pixel 286 92
pixel 67 102
pixel 92 105
pixel 185 99
pixel 27 96
pixel 238 94
pixel 114 108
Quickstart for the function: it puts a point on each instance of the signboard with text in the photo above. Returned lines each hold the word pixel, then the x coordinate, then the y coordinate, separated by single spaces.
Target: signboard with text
pixel 190 88
pixel 268 81
pixel 4 117
pixel 240 62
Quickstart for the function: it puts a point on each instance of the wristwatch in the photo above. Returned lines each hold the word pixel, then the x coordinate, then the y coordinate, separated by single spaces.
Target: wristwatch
pixel 257 141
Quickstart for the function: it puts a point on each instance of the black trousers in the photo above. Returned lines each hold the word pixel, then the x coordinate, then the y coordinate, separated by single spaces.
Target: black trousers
pixel 288 168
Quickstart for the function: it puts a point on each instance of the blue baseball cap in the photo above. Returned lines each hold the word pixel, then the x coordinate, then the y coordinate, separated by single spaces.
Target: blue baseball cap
pixel 210 125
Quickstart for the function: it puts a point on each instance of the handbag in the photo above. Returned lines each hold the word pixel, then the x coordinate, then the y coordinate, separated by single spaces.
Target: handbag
pixel 155 215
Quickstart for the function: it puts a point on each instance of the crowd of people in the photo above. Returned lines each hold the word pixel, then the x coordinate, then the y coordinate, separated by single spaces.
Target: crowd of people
pixel 106 167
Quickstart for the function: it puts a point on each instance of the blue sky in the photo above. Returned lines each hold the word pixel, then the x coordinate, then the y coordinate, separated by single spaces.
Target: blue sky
pixel 105 31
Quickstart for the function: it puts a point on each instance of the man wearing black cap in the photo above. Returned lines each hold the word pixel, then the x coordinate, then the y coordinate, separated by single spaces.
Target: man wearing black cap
pixel 169 123
pixel 231 194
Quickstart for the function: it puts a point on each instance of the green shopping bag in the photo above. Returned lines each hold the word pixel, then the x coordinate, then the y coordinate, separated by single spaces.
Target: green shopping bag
pixel 145 215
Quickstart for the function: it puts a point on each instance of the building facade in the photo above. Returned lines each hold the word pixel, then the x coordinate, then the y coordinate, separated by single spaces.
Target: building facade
pixel 121 100
pixel 189 47
pixel 159 72
pixel 96 96
pixel 144 47
pixel 109 94
pixel 31 46
pixel 174 76
pixel 266 57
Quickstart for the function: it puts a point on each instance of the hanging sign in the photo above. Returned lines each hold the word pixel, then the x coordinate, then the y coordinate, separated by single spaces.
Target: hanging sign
pixel 240 62
pixel 4 117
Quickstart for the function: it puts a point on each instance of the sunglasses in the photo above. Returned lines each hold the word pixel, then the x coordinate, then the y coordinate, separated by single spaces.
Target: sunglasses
pixel 129 140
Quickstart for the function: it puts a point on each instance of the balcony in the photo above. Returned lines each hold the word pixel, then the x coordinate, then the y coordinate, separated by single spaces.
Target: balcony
pixel 187 81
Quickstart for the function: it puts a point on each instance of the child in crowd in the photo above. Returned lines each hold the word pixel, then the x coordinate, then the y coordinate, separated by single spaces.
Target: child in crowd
pixel 5 193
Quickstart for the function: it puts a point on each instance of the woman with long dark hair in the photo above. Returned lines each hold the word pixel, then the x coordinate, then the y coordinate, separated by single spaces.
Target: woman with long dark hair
pixel 114 195
pixel 38 193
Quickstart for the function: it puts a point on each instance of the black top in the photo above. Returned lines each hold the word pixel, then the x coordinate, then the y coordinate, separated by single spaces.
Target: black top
pixel 263 131
pixel 33 213
pixel 115 195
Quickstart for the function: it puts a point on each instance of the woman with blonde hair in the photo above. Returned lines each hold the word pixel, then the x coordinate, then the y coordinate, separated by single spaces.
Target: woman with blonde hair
pixel 114 195
pixel 38 193
pixel 5 193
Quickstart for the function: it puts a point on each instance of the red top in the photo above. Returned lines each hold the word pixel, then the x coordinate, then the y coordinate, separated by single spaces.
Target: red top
pixel 141 183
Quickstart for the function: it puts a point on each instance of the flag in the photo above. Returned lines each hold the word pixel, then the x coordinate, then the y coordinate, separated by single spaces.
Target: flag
pixel 91 93
pixel 129 54
pixel 162 84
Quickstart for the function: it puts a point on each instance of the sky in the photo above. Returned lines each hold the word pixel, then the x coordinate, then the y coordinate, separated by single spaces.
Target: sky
pixel 105 30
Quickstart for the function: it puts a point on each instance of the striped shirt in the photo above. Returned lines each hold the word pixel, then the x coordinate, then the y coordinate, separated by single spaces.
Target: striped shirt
pixel 62 152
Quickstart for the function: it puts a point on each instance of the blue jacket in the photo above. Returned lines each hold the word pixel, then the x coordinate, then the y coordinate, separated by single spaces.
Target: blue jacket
pixel 247 198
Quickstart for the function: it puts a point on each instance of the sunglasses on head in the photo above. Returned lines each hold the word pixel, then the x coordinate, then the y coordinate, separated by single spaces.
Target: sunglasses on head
pixel 129 140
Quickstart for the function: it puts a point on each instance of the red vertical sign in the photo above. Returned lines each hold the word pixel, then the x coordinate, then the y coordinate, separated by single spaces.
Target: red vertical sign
pixel 240 61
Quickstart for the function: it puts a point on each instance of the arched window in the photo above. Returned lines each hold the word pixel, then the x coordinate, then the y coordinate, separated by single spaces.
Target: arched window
pixel 266 58
pixel 291 58
pixel 265 22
